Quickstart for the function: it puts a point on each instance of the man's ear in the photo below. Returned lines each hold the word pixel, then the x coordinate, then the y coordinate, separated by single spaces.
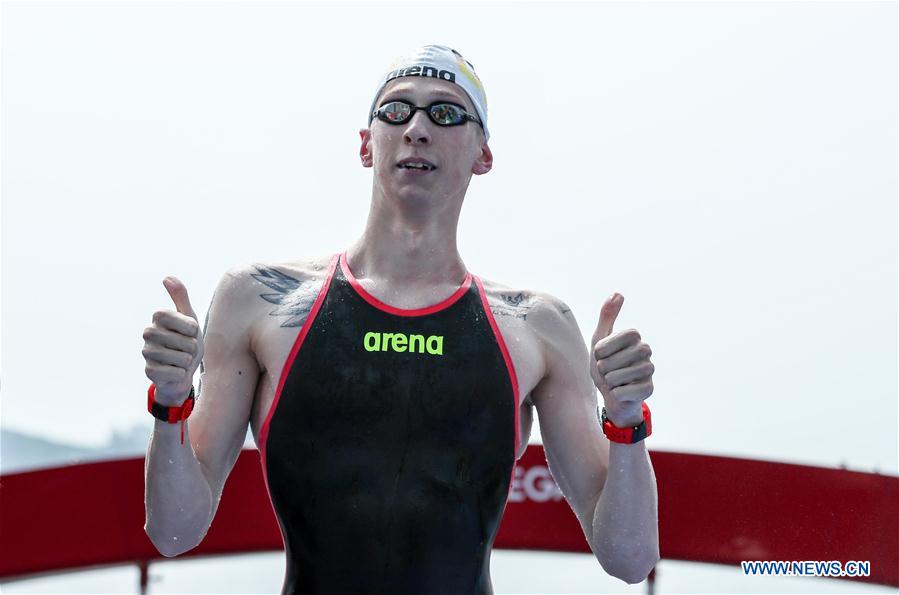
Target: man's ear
pixel 365 149
pixel 484 162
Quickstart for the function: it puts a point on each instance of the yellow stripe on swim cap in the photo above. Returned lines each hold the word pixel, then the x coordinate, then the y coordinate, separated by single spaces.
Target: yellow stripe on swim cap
pixel 472 76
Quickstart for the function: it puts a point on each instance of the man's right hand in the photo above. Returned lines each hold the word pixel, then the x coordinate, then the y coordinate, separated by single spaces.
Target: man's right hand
pixel 173 347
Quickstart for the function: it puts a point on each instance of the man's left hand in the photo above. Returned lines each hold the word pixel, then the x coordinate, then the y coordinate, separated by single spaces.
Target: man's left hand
pixel 620 367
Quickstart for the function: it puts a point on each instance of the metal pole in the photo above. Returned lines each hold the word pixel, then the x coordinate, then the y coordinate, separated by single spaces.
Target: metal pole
pixel 144 567
pixel 651 582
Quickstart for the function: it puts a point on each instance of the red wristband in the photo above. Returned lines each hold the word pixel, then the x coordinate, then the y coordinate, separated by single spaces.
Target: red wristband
pixel 170 415
pixel 629 435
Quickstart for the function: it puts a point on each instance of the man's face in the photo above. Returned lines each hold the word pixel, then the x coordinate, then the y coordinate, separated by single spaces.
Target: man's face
pixel 455 151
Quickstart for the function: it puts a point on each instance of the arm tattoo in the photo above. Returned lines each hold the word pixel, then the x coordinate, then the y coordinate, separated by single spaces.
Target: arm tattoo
pixel 516 306
pixel 293 297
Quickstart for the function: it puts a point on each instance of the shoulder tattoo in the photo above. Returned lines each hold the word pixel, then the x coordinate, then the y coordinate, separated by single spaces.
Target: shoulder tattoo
pixel 514 305
pixel 293 297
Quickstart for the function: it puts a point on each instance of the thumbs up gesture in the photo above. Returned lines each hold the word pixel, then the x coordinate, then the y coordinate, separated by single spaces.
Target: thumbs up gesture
pixel 173 347
pixel 620 368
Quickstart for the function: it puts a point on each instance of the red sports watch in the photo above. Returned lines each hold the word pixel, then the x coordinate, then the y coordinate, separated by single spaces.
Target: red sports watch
pixel 171 415
pixel 629 435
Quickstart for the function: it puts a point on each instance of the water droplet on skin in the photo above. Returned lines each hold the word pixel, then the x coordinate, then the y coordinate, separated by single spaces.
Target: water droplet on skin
pixel 171 461
pixel 174 538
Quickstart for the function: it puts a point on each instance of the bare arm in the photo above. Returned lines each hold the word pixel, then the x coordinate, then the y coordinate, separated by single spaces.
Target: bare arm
pixel 610 486
pixel 183 482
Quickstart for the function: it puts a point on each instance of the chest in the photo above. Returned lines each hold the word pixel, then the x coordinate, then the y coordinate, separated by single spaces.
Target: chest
pixel 274 338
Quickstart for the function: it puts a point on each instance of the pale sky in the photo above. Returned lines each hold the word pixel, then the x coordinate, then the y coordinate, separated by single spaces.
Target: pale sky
pixel 730 168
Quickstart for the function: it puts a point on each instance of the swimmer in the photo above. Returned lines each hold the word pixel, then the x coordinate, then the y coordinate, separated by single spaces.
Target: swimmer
pixel 390 390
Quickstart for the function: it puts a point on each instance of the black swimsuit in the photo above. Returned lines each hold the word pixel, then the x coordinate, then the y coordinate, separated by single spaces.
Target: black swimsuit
pixel 388 451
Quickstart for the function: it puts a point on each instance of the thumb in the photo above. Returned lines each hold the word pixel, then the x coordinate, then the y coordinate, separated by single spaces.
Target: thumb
pixel 607 316
pixel 178 293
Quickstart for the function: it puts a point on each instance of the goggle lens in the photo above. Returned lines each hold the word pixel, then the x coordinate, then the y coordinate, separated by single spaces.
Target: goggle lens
pixel 446 114
pixel 395 112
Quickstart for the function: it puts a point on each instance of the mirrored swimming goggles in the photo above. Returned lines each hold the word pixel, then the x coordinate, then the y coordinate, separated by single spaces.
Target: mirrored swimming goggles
pixel 441 113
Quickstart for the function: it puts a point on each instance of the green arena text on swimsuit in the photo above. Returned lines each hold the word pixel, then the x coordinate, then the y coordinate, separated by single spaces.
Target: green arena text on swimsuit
pixel 398 342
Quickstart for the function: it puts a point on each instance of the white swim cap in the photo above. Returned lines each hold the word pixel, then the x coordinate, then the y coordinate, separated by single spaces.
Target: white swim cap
pixel 440 62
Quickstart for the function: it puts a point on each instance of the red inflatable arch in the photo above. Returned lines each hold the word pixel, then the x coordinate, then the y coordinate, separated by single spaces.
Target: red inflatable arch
pixel 86 515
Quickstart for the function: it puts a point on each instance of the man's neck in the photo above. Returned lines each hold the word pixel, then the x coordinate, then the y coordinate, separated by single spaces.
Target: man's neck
pixel 412 250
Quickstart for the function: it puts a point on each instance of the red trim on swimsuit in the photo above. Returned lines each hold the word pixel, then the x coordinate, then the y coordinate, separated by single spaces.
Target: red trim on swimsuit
pixel 263 432
pixel 502 346
pixel 402 311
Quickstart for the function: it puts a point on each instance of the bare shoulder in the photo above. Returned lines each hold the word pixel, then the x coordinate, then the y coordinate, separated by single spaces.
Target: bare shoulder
pixel 298 269
pixel 258 292
pixel 540 311
pixel 276 281
pixel 542 329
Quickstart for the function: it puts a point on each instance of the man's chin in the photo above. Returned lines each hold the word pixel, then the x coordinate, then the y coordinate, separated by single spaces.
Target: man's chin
pixel 415 196
pixel 412 195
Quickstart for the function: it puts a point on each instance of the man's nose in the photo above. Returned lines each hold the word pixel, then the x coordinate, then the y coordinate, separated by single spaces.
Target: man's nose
pixel 417 130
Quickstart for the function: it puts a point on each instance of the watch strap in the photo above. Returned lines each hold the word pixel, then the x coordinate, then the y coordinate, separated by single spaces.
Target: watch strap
pixel 170 415
pixel 630 434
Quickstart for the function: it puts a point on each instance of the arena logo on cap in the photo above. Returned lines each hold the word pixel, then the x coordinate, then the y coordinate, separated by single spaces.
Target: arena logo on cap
pixel 421 70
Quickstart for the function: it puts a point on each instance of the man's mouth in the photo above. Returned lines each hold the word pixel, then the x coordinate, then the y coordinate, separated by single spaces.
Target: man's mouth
pixel 416 164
